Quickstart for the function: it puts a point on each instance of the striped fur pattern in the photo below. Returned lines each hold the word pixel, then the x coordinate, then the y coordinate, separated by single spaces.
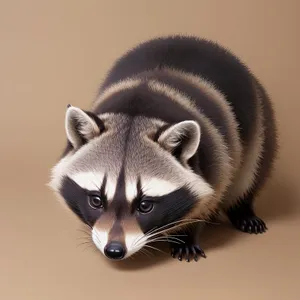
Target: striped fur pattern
pixel 181 127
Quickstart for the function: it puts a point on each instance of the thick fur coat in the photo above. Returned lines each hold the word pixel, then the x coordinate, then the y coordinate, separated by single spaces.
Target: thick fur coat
pixel 181 131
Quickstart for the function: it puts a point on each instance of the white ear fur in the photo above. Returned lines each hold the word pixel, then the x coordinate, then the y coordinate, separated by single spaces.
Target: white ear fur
pixel 186 133
pixel 79 126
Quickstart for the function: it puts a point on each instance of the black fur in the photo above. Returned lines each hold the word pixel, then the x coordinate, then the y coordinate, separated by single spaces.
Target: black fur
pixel 141 101
pixel 199 57
pixel 77 199
pixel 243 217
pixel 233 79
pixel 190 249
pixel 167 209
pixel 203 102
pixel 211 62
pixel 242 214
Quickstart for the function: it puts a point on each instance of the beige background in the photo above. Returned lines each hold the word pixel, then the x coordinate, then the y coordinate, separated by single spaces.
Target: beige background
pixel 57 52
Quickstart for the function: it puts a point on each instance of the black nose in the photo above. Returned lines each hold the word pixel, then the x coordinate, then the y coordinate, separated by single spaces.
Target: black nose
pixel 114 250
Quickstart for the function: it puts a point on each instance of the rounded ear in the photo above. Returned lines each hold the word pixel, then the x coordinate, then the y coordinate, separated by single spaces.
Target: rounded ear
pixel 181 139
pixel 80 126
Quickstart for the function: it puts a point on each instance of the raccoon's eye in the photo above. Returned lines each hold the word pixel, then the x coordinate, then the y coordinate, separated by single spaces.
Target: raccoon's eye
pixel 145 207
pixel 95 201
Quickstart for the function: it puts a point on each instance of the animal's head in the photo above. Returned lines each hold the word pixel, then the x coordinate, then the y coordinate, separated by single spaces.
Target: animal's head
pixel 128 178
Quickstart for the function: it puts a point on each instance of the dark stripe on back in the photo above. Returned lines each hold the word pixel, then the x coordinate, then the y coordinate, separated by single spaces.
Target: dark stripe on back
pixel 200 57
pixel 140 101
pixel 203 102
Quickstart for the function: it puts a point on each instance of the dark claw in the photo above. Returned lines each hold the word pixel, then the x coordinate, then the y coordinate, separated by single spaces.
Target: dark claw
pixel 190 252
pixel 250 224
pixel 195 256
pixel 187 254
pixel 200 251
pixel 180 254
pixel 173 252
pixel 261 229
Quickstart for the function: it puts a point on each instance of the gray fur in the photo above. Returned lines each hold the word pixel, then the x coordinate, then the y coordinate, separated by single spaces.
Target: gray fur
pixel 179 110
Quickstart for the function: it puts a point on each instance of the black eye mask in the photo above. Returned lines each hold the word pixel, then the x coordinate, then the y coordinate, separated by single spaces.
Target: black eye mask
pixel 167 209
pixel 77 200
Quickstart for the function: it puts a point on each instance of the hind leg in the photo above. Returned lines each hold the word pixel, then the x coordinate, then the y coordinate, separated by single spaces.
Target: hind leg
pixel 242 214
pixel 243 217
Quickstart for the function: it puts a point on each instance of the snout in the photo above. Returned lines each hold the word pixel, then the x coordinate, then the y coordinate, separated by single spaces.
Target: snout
pixel 114 250
pixel 116 240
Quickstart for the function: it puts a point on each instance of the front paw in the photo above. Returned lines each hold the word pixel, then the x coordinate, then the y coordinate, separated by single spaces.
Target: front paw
pixel 187 251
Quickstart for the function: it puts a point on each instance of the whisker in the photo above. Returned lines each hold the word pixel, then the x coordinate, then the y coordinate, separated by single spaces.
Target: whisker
pixel 151 230
pixel 136 240
pixel 132 257
pixel 166 238
pixel 88 247
pixel 149 252
pixel 173 227
pixel 161 227
pixel 98 240
pixel 158 228
pixel 152 235
pixel 177 235
pixel 140 241
pixel 84 243
pixel 146 252
pixel 146 238
pixel 154 248
pixel 83 237
pixel 87 226
pixel 175 222
pixel 83 231
pixel 158 240
pixel 167 241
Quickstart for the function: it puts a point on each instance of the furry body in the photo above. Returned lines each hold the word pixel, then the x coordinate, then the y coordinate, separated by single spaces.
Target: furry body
pixel 180 126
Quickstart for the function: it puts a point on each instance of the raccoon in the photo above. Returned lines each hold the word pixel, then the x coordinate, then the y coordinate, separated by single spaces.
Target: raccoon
pixel 181 133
